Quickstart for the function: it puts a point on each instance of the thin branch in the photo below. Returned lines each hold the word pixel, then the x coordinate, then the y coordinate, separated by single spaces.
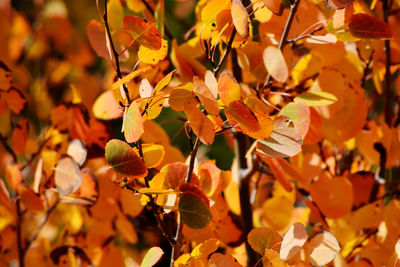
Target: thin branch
pixel 114 51
pixel 8 148
pixel 283 41
pixel 367 69
pixel 21 253
pixel 39 228
pixel 178 234
pixel 303 36
pixel 227 51
pixel 387 89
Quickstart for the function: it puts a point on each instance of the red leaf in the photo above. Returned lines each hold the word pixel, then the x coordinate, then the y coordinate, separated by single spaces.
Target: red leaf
pixel 366 26
pixel 146 33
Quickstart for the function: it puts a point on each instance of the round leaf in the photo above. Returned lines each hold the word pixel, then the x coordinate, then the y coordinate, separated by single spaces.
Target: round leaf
pixel 193 211
pixel 293 241
pixel 322 248
pixel 124 160
pixel 67 176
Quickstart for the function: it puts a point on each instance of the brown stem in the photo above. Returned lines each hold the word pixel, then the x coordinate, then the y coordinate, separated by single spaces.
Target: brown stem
pixel 21 251
pixel 241 146
pixel 387 89
pixel 114 51
pixel 33 157
pixel 39 228
pixel 227 50
pixel 179 227
pixel 283 41
pixel 8 148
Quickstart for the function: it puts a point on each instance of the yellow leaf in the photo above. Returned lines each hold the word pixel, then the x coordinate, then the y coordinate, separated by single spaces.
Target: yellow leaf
pixel 150 56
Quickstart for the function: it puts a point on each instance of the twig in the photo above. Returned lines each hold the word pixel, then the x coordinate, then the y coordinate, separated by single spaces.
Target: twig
pixel 387 93
pixel 300 37
pixel 178 234
pixel 115 53
pixel 39 228
pixel 359 245
pixel 8 148
pixel 227 50
pixel 21 252
pixel 283 41
pixel 367 70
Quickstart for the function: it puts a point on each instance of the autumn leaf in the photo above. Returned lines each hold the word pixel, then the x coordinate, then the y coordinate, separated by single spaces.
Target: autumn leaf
pixel 194 211
pixel 145 32
pixel 124 160
pixel 366 26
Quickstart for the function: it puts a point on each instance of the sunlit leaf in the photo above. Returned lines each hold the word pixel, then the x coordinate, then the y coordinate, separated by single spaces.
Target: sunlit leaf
pixel 200 124
pixel 275 63
pixel 15 100
pixel 133 124
pixel 366 26
pixel 153 56
pixel 243 115
pixel 152 257
pixel 164 81
pixel 106 107
pixel 271 259
pixel 206 248
pixel 178 98
pixel 261 239
pixel 316 98
pixel 293 241
pixel 299 113
pixel 77 151
pixel 322 248
pixel 284 141
pixel 278 172
pixel 206 97
pixel 67 176
pixel 145 32
pixel 145 89
pixel 124 160
pixel 240 18
pixel 193 211
pixel 153 155
pixel 228 88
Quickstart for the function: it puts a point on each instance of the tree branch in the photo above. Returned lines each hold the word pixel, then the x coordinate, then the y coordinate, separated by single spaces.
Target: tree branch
pixel 227 51
pixel 115 53
pixel 283 41
pixel 21 251
pixel 387 89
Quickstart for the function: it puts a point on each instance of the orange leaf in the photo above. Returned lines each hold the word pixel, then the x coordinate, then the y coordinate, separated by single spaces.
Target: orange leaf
pixel 97 38
pixel 334 196
pixel 106 107
pixel 276 6
pixel 178 98
pixel 206 97
pixel 261 239
pixel 292 241
pixel 133 123
pixel 243 115
pixel 146 33
pixel 20 137
pixel 278 172
pixel 314 133
pixel 275 63
pixel 240 18
pixel 366 26
pixel 30 200
pixel 228 88
pixel 5 77
pixel 15 100
pixel 13 176
pixel 200 124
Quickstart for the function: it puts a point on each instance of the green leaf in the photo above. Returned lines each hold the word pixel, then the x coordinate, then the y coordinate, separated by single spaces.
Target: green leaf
pixel 194 212
pixel 124 160
pixel 315 99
